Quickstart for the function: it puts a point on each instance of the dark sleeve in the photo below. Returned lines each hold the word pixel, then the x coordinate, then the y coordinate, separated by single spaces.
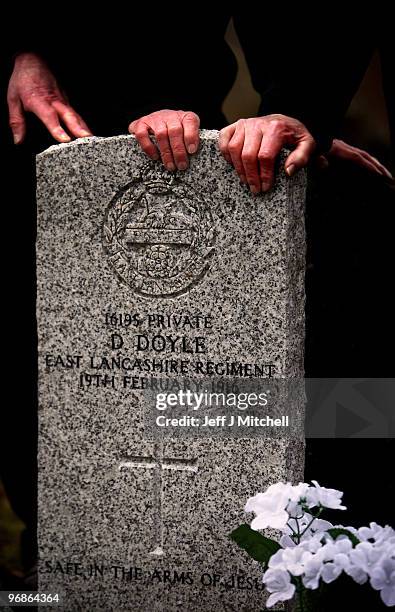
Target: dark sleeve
pixel 26 35
pixel 307 72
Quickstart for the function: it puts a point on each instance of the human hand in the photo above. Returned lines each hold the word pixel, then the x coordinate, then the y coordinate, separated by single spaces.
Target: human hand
pixel 176 134
pixel 342 150
pixel 33 88
pixel 252 146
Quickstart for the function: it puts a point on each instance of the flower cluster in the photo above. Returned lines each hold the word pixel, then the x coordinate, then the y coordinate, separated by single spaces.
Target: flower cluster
pixel 313 550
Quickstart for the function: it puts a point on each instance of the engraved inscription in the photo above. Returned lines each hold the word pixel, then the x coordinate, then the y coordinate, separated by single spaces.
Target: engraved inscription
pixel 159 234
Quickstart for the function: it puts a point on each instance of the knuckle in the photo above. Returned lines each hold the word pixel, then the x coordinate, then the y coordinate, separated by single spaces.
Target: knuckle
pixel 175 131
pixel 139 131
pixel 266 156
pixel 15 122
pixel 50 114
pixel 226 131
pixel 179 150
pixel 69 114
pixel 191 116
pixel 248 157
pixel 160 133
pixel 277 124
pixel 233 147
pixel 165 152
pixel 303 159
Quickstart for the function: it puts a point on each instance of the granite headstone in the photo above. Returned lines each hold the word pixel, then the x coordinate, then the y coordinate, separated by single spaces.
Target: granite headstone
pixel 146 275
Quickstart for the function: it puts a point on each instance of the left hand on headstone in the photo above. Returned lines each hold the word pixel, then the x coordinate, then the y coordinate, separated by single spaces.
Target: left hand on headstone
pixel 176 134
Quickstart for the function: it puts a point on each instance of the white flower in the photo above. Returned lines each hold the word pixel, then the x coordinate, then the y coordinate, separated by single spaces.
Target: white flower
pixel 306 527
pixel 342 546
pixel 332 569
pixel 382 578
pixel 312 572
pixel 295 509
pixel 270 506
pixel 377 562
pixel 290 559
pixel 278 583
pixel 357 574
pixel 270 511
pixel 375 533
pixel 320 496
pixel 365 556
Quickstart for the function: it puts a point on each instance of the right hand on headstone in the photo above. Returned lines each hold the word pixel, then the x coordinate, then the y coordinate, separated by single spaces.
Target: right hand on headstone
pixel 33 88
pixel 252 146
pixel 176 134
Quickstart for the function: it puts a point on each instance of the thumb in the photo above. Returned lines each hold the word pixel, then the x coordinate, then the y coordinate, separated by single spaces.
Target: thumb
pixel 299 158
pixel 17 121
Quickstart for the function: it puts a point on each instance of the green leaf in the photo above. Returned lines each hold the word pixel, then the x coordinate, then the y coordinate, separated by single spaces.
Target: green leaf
pixel 336 531
pixel 254 543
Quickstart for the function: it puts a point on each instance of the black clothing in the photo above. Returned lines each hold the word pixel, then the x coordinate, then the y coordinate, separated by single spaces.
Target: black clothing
pixel 116 68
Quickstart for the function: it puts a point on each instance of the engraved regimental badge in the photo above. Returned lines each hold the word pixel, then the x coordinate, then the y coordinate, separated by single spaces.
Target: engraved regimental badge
pixel 159 234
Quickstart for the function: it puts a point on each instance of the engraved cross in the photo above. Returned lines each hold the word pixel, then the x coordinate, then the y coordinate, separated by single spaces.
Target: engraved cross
pixel 159 463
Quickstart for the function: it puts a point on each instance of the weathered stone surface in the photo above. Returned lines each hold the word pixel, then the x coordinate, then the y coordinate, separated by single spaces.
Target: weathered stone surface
pixel 119 236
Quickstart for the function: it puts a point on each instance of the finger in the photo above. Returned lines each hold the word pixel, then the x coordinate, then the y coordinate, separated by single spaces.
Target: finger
pixel 223 142
pixel 49 117
pixel 249 156
pixel 175 131
pixel 368 164
pixel 73 122
pixel 271 145
pixel 141 130
pixel 191 122
pixel 162 138
pixel 17 121
pixel 299 158
pixel 383 170
pixel 235 148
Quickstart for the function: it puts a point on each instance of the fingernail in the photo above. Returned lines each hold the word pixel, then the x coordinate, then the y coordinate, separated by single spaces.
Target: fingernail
pixel 192 149
pixel 290 170
pixel 155 156
pixel 17 139
pixel 64 136
pixel 85 134
pixel 254 189
pixel 182 166
pixel 243 179
pixel 265 187
pixel 170 167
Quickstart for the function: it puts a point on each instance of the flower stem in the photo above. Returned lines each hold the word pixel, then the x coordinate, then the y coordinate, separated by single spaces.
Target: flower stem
pixel 303 598
pixel 311 522
pixel 299 602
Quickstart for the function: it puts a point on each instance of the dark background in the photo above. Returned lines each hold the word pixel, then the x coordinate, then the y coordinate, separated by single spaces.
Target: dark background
pixel 350 312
